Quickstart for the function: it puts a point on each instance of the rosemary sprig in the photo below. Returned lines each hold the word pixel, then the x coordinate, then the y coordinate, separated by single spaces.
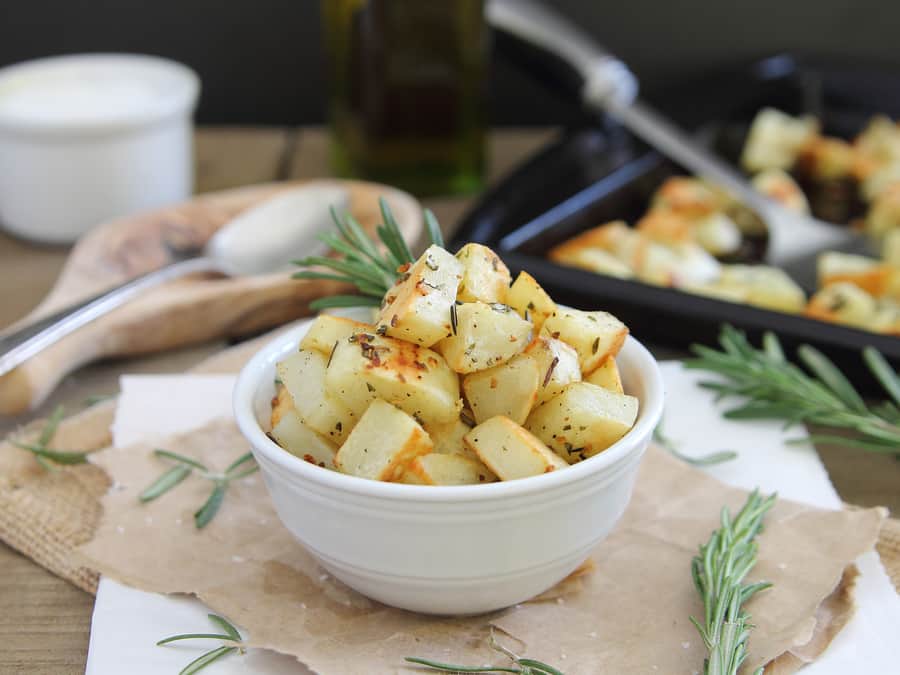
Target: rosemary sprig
pixel 230 635
pixel 522 665
pixel 45 455
pixel 774 388
pixel 183 467
pixel 704 460
pixel 94 399
pixel 373 267
pixel 718 573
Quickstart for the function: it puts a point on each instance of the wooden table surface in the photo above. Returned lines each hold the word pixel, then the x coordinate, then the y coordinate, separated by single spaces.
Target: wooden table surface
pixel 45 622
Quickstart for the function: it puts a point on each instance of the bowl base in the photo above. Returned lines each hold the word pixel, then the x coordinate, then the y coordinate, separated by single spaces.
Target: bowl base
pixel 456 597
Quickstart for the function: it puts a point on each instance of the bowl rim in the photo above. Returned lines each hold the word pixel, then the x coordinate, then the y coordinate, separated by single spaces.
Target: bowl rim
pixel 250 378
pixel 179 99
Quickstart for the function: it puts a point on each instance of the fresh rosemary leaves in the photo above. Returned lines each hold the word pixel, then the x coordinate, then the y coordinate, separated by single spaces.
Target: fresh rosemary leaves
pixel 373 271
pixel 46 456
pixel 521 665
pixel 718 573
pixel 774 388
pixel 704 460
pixel 184 466
pixel 230 635
pixel 94 399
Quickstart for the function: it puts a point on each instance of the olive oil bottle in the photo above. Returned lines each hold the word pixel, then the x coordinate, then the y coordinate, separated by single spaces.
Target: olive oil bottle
pixel 407 81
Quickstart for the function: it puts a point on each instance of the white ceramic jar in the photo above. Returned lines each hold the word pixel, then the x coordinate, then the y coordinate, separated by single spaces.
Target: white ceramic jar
pixel 86 138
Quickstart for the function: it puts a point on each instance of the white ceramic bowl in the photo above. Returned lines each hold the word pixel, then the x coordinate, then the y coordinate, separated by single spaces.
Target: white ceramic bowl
pixel 90 137
pixel 455 549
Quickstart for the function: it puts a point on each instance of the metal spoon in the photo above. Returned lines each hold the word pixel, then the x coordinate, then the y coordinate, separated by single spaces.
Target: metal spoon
pixel 259 240
pixel 606 84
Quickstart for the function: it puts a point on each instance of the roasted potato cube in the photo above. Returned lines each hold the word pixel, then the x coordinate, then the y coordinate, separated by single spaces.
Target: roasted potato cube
pixel 509 389
pixel 878 180
pixel 608 237
pixel 484 336
pixel 440 469
pixel 298 439
pixel 594 335
pixel 666 227
pixel 303 375
pixel 714 290
pixel 718 234
pixel 764 286
pixel 281 403
pixel 675 265
pixel 583 420
pixel 607 376
pixel 631 246
pixel 530 300
pixel 884 212
pixel 595 260
pixel 878 144
pixel 415 379
pixel 887 318
pixel 687 197
pixel 671 251
pixel 871 275
pixel 448 440
pixel 448 436
pixel 409 478
pixel 780 187
pixel 417 309
pixel 557 365
pixel 890 248
pixel 776 139
pixel 484 278
pixel 510 451
pixel 653 262
pixel 327 330
pixel 382 444
pixel 845 303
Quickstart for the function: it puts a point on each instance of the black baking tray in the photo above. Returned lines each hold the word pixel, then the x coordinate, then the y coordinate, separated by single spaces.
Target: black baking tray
pixel 598 172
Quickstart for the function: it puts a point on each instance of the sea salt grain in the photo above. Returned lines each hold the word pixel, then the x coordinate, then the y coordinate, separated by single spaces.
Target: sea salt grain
pixel 237 559
pixel 686 645
pixel 782 566
pixel 592 634
pixel 120 529
pixel 148 520
pixel 560 601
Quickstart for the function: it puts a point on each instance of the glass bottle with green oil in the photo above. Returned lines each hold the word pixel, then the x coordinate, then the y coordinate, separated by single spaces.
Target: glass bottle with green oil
pixel 407 83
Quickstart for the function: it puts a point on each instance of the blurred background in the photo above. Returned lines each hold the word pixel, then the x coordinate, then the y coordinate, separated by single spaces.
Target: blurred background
pixel 99 163
pixel 263 61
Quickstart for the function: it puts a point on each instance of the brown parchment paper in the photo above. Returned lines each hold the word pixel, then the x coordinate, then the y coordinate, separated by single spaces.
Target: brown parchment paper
pixel 629 614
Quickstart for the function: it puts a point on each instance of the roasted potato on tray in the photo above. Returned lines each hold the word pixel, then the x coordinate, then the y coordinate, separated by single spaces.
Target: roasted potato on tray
pixel 695 237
